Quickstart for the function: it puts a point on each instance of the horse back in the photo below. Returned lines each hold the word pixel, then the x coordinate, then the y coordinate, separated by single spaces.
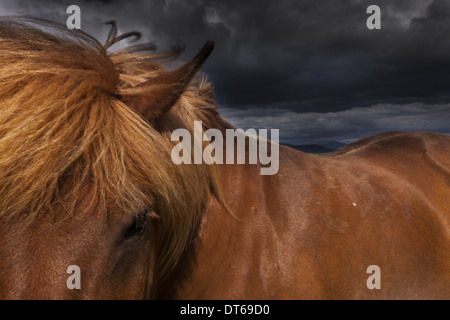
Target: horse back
pixel 384 201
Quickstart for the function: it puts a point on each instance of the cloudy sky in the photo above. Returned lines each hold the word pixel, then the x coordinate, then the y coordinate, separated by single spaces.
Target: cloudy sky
pixel 310 68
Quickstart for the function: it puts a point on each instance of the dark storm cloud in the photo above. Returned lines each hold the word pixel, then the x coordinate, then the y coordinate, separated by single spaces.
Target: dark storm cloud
pixel 294 60
pixel 309 55
pixel 319 55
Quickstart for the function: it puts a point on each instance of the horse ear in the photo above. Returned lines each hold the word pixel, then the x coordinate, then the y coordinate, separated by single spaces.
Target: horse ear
pixel 156 96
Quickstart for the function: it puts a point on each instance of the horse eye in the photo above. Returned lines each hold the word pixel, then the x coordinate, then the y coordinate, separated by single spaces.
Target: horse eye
pixel 138 226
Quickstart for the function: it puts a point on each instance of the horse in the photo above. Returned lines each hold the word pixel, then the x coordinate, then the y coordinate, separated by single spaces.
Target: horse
pixel 87 180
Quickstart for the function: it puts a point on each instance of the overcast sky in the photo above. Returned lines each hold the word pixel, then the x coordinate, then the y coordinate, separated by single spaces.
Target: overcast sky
pixel 309 68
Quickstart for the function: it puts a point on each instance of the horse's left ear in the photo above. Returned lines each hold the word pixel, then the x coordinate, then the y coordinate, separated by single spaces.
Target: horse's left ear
pixel 156 96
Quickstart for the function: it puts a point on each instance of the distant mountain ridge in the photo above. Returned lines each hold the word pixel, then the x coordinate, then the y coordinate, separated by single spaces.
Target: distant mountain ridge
pixel 318 148
pixel 334 145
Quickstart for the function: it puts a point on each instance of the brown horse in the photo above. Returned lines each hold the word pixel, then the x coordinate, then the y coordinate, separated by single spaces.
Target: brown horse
pixel 87 179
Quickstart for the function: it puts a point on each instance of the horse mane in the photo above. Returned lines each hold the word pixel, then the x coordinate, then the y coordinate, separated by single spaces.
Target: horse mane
pixel 63 127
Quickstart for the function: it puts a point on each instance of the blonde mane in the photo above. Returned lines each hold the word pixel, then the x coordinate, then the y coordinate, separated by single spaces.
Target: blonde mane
pixel 63 128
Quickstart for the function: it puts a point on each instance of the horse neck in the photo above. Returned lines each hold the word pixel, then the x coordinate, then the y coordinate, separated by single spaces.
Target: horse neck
pixel 241 189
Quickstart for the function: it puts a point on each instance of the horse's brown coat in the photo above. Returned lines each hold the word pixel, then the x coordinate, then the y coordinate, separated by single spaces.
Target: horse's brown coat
pixel 312 230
